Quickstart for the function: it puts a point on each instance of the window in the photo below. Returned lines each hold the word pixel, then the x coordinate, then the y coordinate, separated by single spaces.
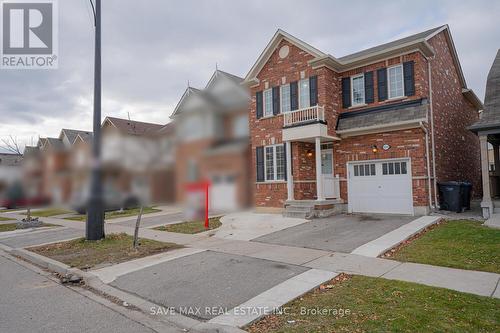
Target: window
pixel 268 102
pixel 358 89
pixel 285 98
pixel 361 170
pixel 396 86
pixel 394 168
pixel 275 163
pixel 240 126
pixel 304 99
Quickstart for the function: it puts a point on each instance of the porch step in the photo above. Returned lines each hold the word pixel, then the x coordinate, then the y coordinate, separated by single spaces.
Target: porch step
pixel 309 209
pixel 297 214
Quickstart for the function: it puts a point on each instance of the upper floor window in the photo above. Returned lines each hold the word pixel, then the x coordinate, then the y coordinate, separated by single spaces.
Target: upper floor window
pixel 240 126
pixel 285 98
pixel 358 89
pixel 304 96
pixel 396 83
pixel 268 102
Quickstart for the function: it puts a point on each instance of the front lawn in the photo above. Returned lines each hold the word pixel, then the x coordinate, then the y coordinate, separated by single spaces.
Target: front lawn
pixel 365 304
pixel 116 214
pixel 115 248
pixel 5 219
pixel 191 227
pixel 459 244
pixel 49 212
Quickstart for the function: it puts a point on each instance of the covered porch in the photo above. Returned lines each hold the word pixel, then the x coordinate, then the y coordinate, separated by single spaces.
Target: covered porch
pixel 313 187
pixel 488 130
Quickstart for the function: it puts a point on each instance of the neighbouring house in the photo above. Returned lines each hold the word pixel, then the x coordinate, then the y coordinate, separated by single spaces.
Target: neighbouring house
pixel 372 131
pixel 138 158
pixel 212 142
pixel 10 170
pixel 488 131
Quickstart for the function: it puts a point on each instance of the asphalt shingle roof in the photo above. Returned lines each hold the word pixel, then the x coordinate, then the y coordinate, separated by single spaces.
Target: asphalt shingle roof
pixel 384 115
pixel 72 134
pixel 491 114
pixel 133 127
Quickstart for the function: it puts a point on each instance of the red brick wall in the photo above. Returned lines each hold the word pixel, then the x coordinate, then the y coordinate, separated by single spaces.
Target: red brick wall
pixel 457 149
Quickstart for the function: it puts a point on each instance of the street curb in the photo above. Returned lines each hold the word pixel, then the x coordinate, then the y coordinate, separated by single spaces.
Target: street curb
pixel 94 282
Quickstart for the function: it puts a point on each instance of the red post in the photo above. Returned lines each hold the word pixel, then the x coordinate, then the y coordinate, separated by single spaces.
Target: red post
pixel 206 205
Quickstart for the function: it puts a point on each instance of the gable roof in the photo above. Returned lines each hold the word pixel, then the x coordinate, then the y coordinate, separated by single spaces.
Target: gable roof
pixel 491 115
pixel 189 91
pixel 71 134
pixel 132 127
pixel 55 143
pixel 232 77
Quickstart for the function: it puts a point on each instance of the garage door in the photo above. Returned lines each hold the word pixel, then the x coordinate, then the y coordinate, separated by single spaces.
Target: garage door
pixel 380 187
pixel 223 193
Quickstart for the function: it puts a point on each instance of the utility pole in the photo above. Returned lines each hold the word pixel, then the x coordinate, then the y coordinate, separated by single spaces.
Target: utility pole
pixel 95 211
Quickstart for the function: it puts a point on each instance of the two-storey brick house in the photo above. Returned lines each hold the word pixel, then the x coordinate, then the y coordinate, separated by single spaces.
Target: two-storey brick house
pixel 383 126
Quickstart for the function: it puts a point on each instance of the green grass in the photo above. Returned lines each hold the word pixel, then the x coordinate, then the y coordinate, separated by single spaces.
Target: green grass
pixel 459 244
pixel 49 212
pixel 5 218
pixel 379 305
pixel 116 214
pixel 115 248
pixel 12 226
pixel 191 227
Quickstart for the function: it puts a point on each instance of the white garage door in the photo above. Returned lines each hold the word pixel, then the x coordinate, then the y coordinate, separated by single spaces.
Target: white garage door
pixel 380 187
pixel 223 196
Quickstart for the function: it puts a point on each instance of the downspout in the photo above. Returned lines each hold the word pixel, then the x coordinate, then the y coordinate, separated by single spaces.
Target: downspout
pixel 432 132
pixel 429 182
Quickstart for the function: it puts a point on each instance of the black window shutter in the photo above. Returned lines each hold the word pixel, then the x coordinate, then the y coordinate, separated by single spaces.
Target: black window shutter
pixel 346 92
pixel 409 78
pixel 313 90
pixel 258 101
pixel 284 159
pixel 294 95
pixel 276 100
pixel 382 84
pixel 369 96
pixel 259 158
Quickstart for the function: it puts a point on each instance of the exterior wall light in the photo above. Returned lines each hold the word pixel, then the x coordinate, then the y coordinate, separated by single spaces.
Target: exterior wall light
pixel 309 153
pixel 374 149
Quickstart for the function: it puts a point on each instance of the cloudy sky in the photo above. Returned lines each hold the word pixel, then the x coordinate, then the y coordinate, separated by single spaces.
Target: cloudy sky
pixel 151 49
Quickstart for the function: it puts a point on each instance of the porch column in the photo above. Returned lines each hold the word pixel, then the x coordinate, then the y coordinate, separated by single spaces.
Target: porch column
pixel 289 177
pixel 319 180
pixel 486 204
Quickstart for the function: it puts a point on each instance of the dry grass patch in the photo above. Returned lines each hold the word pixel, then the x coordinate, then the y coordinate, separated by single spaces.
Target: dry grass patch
pixel 192 227
pixel 114 249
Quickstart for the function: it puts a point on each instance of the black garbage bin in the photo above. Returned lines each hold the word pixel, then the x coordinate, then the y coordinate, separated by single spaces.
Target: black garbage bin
pixel 450 196
pixel 466 194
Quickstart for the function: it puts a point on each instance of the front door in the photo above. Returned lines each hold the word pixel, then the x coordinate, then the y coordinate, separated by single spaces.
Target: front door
pixel 327 173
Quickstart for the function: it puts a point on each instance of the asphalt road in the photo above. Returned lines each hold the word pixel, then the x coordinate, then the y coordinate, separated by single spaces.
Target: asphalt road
pixel 340 233
pixel 200 285
pixel 40 237
pixel 30 302
pixel 154 220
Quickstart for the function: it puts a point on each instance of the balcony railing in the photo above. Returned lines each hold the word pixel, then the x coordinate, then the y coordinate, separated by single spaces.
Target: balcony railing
pixel 305 115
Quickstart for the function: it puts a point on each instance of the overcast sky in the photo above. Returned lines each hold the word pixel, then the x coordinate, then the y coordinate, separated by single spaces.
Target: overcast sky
pixel 151 49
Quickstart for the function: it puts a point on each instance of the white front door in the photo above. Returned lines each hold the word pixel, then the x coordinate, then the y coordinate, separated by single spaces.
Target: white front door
pixel 380 187
pixel 327 173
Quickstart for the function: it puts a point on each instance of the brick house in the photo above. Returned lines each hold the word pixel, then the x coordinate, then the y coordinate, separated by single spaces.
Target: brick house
pixel 212 142
pixel 382 125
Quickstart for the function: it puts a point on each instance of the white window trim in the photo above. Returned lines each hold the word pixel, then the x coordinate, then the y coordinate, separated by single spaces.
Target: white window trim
pixel 389 82
pixel 275 165
pixel 264 115
pixel 289 96
pixel 352 90
pixel 299 89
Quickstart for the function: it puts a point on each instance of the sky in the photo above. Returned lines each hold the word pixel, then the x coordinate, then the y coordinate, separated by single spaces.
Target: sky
pixel 152 49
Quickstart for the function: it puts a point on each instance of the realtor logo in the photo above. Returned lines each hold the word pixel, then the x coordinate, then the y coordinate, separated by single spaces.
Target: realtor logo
pixel 29 34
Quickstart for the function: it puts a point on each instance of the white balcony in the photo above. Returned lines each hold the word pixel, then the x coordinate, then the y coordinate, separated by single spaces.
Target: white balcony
pixel 304 116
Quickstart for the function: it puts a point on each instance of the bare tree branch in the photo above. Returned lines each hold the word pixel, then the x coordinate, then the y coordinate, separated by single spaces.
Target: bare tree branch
pixel 11 145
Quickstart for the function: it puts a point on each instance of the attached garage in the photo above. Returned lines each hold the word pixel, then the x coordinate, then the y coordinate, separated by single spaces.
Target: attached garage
pixel 380 186
pixel 223 194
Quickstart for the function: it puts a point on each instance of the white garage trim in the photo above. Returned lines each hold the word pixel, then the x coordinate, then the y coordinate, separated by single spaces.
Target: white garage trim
pixel 362 190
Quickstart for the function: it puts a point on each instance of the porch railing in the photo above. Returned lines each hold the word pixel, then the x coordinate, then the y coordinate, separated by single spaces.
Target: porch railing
pixel 305 115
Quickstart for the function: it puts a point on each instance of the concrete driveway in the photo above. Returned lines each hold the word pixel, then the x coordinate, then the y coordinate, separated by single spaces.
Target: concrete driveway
pixel 340 233
pixel 206 283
